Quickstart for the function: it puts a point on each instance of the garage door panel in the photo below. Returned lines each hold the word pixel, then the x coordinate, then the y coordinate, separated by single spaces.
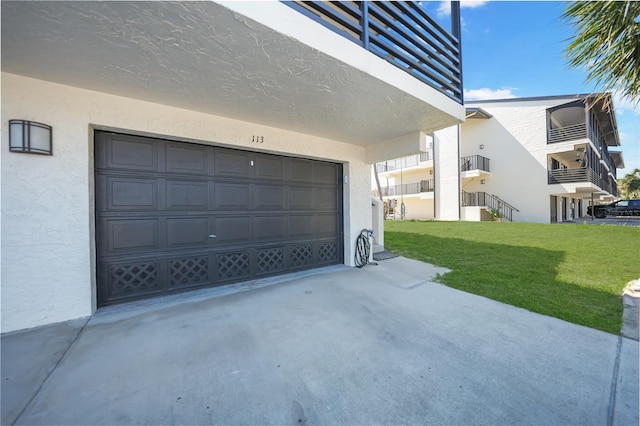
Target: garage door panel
pixel 190 271
pixel 269 228
pixel 130 153
pixel 270 260
pixel 269 167
pixel 232 229
pixel 326 225
pixel 233 265
pixel 232 196
pixel 172 216
pixel 299 170
pixel 232 163
pixel 300 256
pixel 189 159
pixel 326 199
pixel 328 252
pixel 187 195
pixel 130 235
pixel 325 173
pixel 187 232
pixel 301 197
pixel 134 279
pixel 268 197
pixel 122 194
pixel 301 226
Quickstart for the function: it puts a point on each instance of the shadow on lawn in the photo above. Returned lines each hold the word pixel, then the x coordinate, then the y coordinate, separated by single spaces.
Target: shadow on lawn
pixel 520 276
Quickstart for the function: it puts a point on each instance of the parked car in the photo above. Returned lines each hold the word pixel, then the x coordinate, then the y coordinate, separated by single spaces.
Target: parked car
pixel 618 208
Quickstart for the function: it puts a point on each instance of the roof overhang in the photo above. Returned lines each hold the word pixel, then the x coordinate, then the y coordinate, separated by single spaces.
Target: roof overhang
pixel 618 160
pixel 476 112
pixel 258 62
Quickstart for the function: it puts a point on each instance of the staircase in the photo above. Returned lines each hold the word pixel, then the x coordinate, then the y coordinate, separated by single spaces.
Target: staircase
pixel 491 202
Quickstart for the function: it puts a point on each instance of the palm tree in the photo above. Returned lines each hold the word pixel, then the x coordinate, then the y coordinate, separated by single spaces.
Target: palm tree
pixel 629 185
pixel 607 44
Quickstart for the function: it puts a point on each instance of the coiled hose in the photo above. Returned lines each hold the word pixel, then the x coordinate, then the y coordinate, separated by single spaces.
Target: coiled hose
pixel 363 248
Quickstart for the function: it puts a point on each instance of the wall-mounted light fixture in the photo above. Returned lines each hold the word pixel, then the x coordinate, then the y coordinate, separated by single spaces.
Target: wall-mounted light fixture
pixel 482 181
pixel 481 146
pixel 30 137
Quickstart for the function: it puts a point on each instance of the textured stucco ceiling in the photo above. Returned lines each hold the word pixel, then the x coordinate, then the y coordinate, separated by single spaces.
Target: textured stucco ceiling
pixel 204 57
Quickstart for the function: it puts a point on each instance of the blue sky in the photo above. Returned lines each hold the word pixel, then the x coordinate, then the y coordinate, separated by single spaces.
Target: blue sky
pixel 516 49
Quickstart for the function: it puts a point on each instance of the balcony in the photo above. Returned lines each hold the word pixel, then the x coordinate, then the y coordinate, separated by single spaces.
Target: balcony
pixel 474 166
pixel 404 162
pixel 584 177
pixel 408 188
pixel 567 133
pixel 580 174
pixel 398 32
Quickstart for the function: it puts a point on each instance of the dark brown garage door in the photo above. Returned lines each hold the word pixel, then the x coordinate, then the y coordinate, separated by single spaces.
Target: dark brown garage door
pixel 172 216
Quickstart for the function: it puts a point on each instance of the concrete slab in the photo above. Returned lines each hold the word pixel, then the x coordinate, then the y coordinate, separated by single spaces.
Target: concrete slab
pixel 340 347
pixel 27 360
pixel 626 402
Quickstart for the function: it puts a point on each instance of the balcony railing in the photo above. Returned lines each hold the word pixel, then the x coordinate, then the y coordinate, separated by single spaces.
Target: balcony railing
pixel 567 133
pixel 408 188
pixel 582 174
pixel 484 199
pixel 404 162
pixel 474 162
pixel 399 32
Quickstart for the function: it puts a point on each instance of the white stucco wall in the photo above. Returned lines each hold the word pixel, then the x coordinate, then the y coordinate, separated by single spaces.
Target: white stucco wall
pixel 446 153
pixel 48 246
pixel 515 141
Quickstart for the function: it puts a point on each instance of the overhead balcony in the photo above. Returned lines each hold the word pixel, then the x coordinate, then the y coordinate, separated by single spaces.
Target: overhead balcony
pixel 424 160
pixel 416 188
pixel 583 180
pixel 378 75
pixel 474 166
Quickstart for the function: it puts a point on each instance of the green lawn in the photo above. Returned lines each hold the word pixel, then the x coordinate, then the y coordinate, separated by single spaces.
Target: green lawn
pixel 573 272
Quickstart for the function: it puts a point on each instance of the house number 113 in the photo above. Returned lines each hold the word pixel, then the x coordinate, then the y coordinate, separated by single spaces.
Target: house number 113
pixel 257 139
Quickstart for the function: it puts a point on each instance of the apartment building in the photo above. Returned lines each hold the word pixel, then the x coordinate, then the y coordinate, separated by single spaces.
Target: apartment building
pixel 542 159
pixel 197 144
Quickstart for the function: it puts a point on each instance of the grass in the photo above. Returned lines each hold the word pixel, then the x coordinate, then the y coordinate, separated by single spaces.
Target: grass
pixel 573 272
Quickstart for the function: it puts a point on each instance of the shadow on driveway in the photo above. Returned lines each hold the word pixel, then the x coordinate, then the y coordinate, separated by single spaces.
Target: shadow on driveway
pixel 377 345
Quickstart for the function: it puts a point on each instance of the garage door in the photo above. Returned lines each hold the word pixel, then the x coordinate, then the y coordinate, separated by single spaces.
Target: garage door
pixel 172 216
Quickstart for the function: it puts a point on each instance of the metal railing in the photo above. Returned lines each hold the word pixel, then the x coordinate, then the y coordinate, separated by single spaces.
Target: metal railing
pixel 404 162
pixel 408 188
pixel 492 202
pixel 582 174
pixel 474 162
pixel 579 174
pixel 567 133
pixel 402 33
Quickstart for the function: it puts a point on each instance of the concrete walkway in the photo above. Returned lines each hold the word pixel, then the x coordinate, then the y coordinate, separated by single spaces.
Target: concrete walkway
pixel 380 345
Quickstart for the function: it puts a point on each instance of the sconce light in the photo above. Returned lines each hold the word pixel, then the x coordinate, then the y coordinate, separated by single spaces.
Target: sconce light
pixel 481 146
pixel 30 137
pixel 482 181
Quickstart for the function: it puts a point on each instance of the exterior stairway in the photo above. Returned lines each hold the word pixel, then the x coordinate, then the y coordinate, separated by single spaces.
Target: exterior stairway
pixel 491 202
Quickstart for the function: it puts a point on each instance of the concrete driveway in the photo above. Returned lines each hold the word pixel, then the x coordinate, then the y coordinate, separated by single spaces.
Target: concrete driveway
pixel 339 346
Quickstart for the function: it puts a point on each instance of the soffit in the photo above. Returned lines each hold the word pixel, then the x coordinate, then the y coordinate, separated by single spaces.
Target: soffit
pixel 203 57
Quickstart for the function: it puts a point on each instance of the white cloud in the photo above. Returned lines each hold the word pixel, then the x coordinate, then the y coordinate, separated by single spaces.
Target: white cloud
pixel 486 93
pixel 445 6
pixel 624 104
